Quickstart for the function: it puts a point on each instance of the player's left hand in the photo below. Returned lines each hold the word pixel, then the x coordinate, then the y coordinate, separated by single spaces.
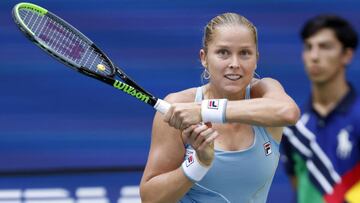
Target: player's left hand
pixel 201 137
pixel 183 115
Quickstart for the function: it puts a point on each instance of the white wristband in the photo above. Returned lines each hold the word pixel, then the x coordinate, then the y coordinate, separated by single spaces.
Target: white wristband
pixel 213 110
pixel 192 167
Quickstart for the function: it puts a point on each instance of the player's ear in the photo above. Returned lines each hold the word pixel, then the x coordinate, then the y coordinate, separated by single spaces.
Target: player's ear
pixel 202 55
pixel 347 56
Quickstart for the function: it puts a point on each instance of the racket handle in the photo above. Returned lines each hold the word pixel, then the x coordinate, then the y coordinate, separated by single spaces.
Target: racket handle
pixel 162 106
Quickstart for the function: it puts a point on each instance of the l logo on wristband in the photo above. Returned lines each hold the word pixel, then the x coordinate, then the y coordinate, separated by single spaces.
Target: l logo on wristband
pixel 189 160
pixel 213 104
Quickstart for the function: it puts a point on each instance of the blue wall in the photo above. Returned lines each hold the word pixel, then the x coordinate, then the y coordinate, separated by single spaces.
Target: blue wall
pixel 53 118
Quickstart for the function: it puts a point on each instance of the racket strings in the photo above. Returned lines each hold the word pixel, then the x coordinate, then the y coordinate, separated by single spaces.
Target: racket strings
pixel 65 42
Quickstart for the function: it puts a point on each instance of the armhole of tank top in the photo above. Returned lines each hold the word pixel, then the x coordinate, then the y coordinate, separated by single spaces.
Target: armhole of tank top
pixel 266 136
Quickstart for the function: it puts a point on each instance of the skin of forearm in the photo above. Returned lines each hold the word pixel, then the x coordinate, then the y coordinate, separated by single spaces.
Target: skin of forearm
pixel 165 188
pixel 262 111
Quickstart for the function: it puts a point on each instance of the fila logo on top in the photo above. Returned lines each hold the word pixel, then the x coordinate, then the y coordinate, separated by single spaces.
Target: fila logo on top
pixel 213 104
pixel 267 148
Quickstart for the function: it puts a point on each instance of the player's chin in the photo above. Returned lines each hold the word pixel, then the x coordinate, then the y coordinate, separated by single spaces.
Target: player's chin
pixel 233 89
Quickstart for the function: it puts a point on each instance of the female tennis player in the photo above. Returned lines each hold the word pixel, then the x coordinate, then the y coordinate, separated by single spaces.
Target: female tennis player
pixel 234 158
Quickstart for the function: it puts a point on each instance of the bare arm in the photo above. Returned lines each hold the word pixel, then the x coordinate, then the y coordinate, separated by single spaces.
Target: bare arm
pixel 163 179
pixel 270 106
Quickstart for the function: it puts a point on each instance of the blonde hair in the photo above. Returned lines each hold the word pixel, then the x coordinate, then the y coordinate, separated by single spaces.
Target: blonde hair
pixel 226 19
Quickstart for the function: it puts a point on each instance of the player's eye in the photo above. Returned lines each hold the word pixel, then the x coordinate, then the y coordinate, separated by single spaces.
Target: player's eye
pixel 223 53
pixel 245 52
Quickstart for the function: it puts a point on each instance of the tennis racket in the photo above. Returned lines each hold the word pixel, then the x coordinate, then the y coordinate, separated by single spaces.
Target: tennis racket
pixel 69 46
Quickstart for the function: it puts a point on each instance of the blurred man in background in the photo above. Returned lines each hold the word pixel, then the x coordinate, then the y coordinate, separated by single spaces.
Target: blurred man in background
pixel 321 152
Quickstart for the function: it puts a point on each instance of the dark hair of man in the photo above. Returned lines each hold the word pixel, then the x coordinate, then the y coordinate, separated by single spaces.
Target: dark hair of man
pixel 344 32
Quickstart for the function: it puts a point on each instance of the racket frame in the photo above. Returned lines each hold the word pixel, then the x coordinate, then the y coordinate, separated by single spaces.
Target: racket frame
pixel 129 85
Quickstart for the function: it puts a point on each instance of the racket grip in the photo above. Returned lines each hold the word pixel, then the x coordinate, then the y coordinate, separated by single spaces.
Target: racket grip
pixel 162 106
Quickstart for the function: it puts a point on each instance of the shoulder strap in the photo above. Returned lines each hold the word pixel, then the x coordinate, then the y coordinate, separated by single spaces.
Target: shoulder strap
pixel 247 94
pixel 199 94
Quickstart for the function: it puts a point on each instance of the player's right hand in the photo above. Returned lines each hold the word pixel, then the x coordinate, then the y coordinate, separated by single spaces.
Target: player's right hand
pixel 201 138
pixel 182 115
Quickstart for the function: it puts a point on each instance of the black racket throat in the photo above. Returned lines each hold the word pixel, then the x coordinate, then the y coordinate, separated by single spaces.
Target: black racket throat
pixel 125 86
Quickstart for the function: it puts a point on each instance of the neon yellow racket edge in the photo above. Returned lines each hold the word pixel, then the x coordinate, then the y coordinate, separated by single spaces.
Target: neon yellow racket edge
pixel 72 48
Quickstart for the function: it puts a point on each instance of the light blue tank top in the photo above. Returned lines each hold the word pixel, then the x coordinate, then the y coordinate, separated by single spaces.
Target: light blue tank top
pixel 238 176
